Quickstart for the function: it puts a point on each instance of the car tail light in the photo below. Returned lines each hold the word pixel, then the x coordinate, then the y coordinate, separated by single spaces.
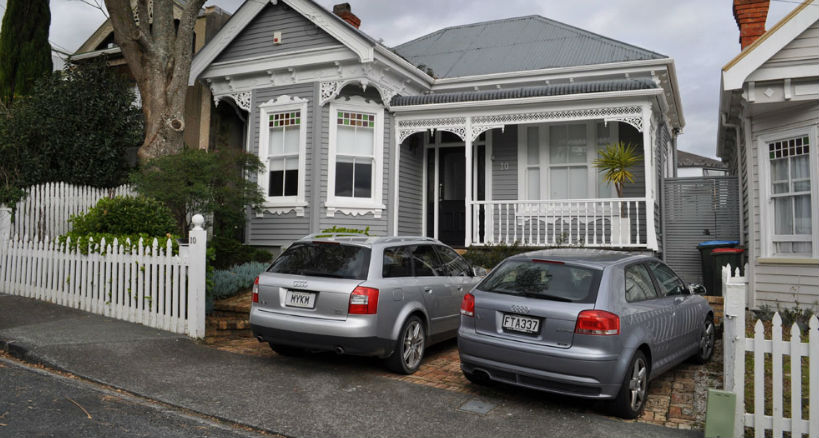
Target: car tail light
pixel 597 322
pixel 256 290
pixel 364 301
pixel 468 305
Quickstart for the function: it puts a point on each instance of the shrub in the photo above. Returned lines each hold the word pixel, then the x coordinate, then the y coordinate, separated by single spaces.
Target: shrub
pixel 489 256
pixel 230 252
pixel 196 181
pixel 227 283
pixel 125 216
pixel 77 126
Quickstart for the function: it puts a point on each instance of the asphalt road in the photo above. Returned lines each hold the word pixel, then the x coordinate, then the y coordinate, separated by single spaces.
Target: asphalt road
pixel 40 403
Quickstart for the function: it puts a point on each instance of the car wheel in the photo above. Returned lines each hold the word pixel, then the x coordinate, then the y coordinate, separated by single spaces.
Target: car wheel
pixel 707 338
pixel 286 350
pixel 409 347
pixel 631 399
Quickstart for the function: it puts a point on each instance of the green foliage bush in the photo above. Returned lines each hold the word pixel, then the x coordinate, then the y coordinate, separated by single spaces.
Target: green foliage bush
pixel 230 252
pixel 196 181
pixel 126 219
pixel 125 215
pixel 76 126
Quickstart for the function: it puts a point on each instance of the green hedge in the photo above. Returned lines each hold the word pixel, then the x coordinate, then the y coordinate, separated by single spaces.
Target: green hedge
pixel 125 215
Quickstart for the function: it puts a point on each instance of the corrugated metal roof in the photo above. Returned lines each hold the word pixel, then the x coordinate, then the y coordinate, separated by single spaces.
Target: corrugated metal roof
pixel 515 44
pixel 524 92
pixel 687 159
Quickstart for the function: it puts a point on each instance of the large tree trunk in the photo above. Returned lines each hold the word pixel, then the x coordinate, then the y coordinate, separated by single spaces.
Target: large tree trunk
pixel 159 56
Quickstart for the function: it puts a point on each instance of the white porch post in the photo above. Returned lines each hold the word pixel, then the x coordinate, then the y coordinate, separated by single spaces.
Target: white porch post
pixel 650 175
pixel 468 191
pixel 395 192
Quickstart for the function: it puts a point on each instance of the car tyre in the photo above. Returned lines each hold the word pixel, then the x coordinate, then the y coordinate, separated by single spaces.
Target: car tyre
pixel 409 347
pixel 631 399
pixel 707 338
pixel 287 350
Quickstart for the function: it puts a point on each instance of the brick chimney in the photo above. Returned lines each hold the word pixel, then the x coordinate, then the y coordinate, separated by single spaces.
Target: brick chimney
pixel 750 16
pixel 343 11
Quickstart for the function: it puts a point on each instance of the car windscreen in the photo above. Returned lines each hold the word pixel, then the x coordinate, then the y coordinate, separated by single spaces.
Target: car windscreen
pixel 320 259
pixel 545 280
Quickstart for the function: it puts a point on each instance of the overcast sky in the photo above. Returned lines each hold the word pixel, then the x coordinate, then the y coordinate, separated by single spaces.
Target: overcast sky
pixel 700 35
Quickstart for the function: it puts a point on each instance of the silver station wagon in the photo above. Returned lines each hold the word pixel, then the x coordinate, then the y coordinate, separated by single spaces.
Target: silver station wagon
pixel 593 324
pixel 373 296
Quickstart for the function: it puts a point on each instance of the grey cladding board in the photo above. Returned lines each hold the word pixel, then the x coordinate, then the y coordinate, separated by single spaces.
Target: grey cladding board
pixel 410 187
pixel 275 229
pixel 256 39
pixel 515 44
pixel 505 164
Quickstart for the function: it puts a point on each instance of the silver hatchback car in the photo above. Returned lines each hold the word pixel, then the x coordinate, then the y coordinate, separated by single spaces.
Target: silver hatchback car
pixel 372 296
pixel 593 324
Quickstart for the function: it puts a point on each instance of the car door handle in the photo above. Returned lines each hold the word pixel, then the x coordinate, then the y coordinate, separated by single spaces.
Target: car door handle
pixel 460 289
pixel 427 289
pixel 679 300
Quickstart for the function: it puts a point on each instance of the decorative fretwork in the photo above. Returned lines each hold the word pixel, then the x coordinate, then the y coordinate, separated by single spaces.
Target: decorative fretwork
pixel 635 121
pixel 627 114
pixel 480 129
pixel 329 90
pixel 243 100
pixel 455 125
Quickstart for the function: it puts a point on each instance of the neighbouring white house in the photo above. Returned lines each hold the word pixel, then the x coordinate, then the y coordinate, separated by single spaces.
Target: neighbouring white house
pixel 476 134
pixel 693 165
pixel 769 118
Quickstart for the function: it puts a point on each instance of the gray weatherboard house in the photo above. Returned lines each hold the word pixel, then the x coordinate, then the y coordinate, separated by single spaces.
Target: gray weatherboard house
pixel 476 134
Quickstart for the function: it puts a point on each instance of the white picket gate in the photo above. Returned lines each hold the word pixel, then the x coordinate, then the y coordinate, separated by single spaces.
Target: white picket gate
pixel 47 207
pixel 737 344
pixel 148 285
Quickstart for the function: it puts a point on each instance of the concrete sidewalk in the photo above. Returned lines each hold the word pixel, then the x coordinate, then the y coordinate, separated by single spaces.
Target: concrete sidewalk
pixel 292 397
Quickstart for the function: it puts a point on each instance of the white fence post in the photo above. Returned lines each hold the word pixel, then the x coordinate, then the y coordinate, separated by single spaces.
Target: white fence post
pixel 196 278
pixel 5 223
pixel 733 342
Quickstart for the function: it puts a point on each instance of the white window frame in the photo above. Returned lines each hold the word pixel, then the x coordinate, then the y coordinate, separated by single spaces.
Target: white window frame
pixel 282 204
pixel 349 205
pixel 766 213
pixel 545 165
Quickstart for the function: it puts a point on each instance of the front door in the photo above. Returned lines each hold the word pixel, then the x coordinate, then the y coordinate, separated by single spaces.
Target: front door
pixel 451 196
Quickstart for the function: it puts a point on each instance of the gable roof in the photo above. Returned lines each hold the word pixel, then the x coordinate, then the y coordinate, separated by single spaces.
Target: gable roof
pixel 687 159
pixel 753 56
pixel 515 44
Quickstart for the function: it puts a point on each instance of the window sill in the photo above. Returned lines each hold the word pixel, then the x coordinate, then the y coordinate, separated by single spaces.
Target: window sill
pixel 282 207
pixel 787 261
pixel 354 208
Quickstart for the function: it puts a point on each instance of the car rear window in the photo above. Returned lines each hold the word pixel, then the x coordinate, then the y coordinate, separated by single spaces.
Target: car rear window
pixel 542 279
pixel 319 259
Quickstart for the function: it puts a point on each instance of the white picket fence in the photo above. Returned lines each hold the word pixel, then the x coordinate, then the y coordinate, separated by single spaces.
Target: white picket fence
pixel 148 285
pixel 736 345
pixel 47 207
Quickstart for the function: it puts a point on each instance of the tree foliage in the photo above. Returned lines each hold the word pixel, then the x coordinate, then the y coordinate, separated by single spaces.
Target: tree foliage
pixel 614 161
pixel 24 47
pixel 76 126
pixel 195 181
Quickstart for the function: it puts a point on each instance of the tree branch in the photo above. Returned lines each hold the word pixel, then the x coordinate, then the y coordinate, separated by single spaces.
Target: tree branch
pixel 183 51
pixel 96 4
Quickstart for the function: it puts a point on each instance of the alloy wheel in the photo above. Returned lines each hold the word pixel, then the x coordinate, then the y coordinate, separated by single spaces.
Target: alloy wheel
pixel 707 340
pixel 638 383
pixel 413 349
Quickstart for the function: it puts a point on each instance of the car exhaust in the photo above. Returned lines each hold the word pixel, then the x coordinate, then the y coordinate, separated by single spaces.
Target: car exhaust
pixel 339 350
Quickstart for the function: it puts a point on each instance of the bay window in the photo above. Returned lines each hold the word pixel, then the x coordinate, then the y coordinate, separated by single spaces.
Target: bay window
pixel 282 138
pixel 355 164
pixel 557 160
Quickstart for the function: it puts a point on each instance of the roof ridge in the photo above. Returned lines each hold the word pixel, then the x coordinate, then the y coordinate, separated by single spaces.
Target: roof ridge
pixel 588 32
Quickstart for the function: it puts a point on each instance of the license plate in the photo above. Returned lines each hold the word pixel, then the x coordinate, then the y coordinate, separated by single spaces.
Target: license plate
pixel 305 300
pixel 520 323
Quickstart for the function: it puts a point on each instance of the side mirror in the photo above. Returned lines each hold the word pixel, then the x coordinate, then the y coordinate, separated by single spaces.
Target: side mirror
pixel 479 271
pixel 697 289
